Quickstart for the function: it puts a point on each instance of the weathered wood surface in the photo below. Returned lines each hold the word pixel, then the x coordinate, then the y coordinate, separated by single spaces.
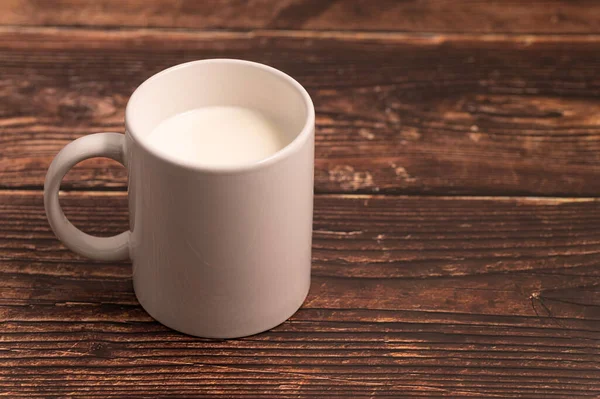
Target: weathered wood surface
pixel 411 297
pixel 482 16
pixel 438 295
pixel 395 113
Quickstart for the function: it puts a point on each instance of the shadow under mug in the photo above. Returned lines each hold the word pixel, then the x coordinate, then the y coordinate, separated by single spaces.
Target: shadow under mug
pixel 217 252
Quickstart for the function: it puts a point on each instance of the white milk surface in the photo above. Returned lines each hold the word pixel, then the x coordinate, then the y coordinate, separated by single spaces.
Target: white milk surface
pixel 218 136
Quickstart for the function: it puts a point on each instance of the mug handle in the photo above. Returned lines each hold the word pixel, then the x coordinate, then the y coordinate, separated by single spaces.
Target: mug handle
pixel 110 145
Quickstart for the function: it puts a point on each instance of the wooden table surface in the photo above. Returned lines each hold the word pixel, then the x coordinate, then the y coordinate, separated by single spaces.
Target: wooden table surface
pixel 456 242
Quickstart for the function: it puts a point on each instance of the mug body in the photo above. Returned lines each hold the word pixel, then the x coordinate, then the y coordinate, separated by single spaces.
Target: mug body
pixel 220 252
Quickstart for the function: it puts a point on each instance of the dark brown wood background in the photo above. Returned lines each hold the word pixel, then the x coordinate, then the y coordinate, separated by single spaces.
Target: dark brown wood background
pixel 457 216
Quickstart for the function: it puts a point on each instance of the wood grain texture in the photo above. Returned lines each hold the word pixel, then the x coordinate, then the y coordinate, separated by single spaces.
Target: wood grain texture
pixel 498 115
pixel 411 297
pixel 513 16
pixel 395 114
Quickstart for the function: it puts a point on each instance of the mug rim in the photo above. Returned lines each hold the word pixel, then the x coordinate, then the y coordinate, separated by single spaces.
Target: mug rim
pixel 294 146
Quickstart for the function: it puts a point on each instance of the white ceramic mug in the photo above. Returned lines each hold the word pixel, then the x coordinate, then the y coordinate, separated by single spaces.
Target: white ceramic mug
pixel 217 252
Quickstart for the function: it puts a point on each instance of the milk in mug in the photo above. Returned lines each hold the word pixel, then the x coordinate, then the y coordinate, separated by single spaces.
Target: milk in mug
pixel 218 135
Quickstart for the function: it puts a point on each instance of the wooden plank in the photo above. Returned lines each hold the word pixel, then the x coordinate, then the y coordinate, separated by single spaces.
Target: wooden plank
pixel 395 114
pixel 411 297
pixel 540 16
